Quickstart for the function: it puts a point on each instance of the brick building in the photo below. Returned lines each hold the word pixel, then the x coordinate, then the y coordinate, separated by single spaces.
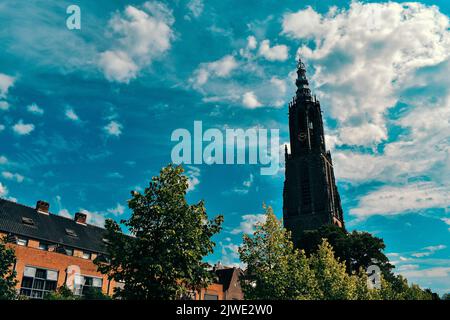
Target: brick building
pixel 52 251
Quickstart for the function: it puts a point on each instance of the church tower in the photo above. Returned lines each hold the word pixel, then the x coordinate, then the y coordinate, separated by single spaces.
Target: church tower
pixel 310 195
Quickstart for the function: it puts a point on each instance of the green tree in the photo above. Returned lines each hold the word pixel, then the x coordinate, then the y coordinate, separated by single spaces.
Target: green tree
pixel 357 249
pixel 7 274
pixel 63 293
pixel 164 257
pixel 275 269
pixel 446 296
pixel 334 282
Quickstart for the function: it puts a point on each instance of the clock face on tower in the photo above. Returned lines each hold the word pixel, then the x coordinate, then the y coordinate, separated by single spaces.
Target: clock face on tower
pixel 301 136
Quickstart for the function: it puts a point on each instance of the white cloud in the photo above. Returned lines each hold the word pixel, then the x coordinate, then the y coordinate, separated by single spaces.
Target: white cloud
pixel 250 100
pixel 70 114
pixel 94 218
pixel 143 34
pixel 275 53
pixel 364 56
pixel 114 175
pixel 195 7
pixel 65 213
pixel 447 221
pixel 249 182
pixel 3 160
pixel 248 222
pixel 221 68
pixel 303 24
pixel 118 66
pixel 6 82
pixel 113 128
pixel 390 200
pixel 23 129
pixel 230 254
pixel 118 210
pixel 436 272
pixel 429 251
pixel 4 105
pixel 3 190
pixel 246 52
pixel 34 108
pixel 193 175
pixel 2 127
pixel 279 84
pixel 13 176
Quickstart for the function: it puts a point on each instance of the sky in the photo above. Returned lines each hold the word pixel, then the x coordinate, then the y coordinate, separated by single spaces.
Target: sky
pixel 86 115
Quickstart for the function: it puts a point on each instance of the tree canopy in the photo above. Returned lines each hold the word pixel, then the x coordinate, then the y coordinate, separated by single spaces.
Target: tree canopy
pixel 278 270
pixel 163 257
pixel 7 274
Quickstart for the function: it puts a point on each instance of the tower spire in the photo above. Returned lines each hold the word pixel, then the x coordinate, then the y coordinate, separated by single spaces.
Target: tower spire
pixel 310 196
pixel 302 83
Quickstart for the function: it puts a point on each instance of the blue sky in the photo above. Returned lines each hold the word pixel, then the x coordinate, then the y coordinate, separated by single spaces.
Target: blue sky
pixel 86 115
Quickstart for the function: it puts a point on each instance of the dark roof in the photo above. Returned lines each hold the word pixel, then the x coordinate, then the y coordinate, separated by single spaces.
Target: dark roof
pixel 225 276
pixel 50 228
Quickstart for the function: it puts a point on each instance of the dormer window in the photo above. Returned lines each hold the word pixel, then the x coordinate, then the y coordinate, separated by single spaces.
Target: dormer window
pixel 71 233
pixel 27 221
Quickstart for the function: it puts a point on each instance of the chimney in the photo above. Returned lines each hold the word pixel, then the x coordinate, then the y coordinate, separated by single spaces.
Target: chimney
pixel 42 207
pixel 80 218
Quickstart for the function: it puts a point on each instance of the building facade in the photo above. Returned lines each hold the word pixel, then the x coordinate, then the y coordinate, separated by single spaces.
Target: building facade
pixel 53 251
pixel 310 196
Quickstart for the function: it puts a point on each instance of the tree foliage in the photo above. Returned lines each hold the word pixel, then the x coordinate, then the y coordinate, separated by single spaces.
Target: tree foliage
pixel 357 249
pixel 62 293
pixel 7 274
pixel 164 257
pixel 277 270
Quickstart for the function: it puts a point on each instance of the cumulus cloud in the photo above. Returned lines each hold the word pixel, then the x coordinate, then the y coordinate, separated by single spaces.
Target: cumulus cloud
pixel 6 82
pixel 275 53
pixel 193 175
pixel 363 56
pixel 250 100
pixel 3 190
pixel 4 105
pixel 391 200
pixel 221 68
pixel 13 176
pixel 143 34
pixel 3 160
pixel 95 218
pixel 195 7
pixel 230 254
pixel 113 128
pixel 71 115
pixel 21 128
pixel 118 66
pixel 35 109
pixel 248 222
pixel 118 210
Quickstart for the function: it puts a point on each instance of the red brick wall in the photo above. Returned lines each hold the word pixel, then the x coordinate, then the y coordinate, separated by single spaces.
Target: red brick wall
pixel 30 256
pixel 213 289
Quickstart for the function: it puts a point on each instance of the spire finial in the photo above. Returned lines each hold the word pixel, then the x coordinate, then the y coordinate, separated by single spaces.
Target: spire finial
pixel 302 81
